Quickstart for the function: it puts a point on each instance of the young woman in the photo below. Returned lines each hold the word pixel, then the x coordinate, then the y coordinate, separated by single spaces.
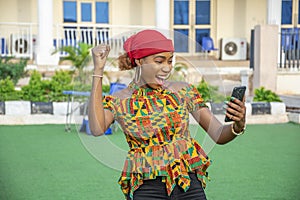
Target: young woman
pixel 164 161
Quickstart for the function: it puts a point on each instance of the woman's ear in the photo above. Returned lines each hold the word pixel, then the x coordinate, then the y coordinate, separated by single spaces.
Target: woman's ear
pixel 138 62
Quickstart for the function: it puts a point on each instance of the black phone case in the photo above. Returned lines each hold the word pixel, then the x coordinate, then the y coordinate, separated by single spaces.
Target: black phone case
pixel 237 92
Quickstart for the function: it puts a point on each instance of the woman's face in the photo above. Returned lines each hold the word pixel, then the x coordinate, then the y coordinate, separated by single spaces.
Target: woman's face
pixel 155 69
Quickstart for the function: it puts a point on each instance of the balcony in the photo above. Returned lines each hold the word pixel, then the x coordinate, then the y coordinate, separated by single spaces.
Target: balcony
pixel 20 39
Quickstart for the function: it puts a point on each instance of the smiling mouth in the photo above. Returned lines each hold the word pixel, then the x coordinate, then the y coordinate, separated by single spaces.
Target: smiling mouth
pixel 161 79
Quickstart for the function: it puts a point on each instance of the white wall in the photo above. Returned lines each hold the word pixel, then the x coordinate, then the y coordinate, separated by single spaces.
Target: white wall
pixel 18 11
pixel 236 18
pixel 288 83
pixel 133 12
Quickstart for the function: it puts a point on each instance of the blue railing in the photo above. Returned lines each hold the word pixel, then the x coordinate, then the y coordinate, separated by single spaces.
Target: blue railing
pixel 290 49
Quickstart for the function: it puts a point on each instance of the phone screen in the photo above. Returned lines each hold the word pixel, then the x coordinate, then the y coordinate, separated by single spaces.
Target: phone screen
pixel 237 92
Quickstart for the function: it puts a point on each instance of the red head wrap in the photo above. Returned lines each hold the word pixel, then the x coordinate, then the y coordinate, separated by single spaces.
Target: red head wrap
pixel 145 43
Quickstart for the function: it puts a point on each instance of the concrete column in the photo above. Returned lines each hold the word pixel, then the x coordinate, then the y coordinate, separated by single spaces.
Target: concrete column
pixel 274 16
pixel 45 34
pixel 274 12
pixel 163 16
pixel 266 56
pixel 245 77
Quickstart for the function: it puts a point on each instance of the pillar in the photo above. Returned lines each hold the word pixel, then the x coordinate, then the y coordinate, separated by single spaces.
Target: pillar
pixel 45 34
pixel 162 15
pixel 274 16
pixel 266 56
pixel 274 12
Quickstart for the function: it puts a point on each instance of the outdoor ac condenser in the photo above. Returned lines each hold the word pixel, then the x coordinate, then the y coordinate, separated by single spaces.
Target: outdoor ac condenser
pixel 21 45
pixel 234 49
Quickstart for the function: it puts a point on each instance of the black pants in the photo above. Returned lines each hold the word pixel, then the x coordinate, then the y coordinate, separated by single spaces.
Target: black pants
pixel 156 190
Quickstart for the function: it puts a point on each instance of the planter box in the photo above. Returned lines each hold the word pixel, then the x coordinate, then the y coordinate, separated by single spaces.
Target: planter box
pixel 278 108
pixel 41 107
pixel 60 108
pixel 17 108
pixel 261 108
pixel 217 108
pixel 2 108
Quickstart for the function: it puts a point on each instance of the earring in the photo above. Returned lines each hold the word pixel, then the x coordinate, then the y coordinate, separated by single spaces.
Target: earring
pixel 137 76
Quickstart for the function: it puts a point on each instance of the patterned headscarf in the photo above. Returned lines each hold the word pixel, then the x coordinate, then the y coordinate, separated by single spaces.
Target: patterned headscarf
pixel 145 43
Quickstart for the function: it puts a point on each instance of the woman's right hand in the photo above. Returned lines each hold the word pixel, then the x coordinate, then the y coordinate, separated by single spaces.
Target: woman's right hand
pixel 100 54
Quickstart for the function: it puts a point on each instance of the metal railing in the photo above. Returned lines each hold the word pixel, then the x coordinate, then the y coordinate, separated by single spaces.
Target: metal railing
pixel 17 39
pixel 290 49
pixel 20 39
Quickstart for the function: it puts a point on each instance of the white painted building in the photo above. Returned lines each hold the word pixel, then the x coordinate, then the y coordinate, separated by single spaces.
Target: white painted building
pixel 34 28
pixel 47 20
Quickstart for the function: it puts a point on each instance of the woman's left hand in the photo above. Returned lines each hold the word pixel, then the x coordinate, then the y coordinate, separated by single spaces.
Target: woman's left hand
pixel 236 110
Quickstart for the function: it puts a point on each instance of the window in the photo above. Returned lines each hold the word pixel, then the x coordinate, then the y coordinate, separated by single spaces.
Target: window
pixel 89 11
pixel 192 20
pixel 70 11
pixel 102 12
pixel 181 40
pixel 203 12
pixel 86 12
pixel 299 12
pixel 290 13
pixel 287 10
pixel 200 33
pixel 181 11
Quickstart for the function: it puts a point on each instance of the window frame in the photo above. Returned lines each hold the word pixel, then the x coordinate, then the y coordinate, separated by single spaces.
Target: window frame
pixel 93 11
pixel 192 26
pixel 295 16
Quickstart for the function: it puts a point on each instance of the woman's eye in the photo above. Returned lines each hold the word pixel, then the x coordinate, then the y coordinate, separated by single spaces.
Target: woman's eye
pixel 170 62
pixel 158 61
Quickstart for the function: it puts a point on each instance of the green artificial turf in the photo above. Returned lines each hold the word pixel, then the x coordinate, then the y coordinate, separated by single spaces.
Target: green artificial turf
pixel 44 162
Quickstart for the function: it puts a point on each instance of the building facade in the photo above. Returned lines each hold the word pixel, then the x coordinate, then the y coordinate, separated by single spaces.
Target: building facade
pixel 50 23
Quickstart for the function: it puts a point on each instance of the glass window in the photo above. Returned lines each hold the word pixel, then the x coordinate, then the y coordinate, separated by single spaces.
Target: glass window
pixel 299 12
pixel 86 12
pixel 181 11
pixel 70 11
pixel 102 12
pixel 200 33
pixel 286 13
pixel 203 12
pixel 181 40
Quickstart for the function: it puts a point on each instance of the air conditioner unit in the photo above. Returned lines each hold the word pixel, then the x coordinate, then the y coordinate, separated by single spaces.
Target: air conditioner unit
pixel 21 45
pixel 234 49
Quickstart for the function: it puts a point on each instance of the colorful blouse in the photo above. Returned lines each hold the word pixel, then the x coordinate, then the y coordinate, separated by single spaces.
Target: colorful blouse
pixel 155 123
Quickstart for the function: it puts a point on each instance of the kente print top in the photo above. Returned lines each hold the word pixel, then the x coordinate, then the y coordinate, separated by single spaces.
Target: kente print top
pixel 155 123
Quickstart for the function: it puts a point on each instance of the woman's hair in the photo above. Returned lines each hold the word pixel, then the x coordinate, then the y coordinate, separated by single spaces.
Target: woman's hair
pixel 125 62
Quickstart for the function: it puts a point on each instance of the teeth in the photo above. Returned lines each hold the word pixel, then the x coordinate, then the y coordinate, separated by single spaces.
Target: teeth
pixel 162 77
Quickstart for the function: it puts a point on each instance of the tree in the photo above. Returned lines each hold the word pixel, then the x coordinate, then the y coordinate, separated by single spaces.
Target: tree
pixel 80 56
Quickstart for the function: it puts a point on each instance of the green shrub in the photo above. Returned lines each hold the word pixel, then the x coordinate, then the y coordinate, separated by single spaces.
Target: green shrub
pixel 47 90
pixel 7 90
pixel 59 82
pixel 37 89
pixel 210 93
pixel 13 70
pixel 105 88
pixel 263 95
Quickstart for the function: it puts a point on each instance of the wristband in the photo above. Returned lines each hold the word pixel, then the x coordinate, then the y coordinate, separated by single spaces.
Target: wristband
pixel 240 133
pixel 99 76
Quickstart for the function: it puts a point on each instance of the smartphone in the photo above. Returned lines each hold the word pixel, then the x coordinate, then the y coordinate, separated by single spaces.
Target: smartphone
pixel 238 93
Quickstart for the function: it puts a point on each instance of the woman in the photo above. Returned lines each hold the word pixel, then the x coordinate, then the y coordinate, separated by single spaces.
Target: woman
pixel 164 161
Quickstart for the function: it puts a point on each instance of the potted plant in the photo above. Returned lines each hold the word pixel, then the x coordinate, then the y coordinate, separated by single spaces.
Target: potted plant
pixel 262 101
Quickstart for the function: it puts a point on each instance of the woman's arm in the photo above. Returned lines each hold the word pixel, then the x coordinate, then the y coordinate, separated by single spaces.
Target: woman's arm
pixel 99 119
pixel 220 133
